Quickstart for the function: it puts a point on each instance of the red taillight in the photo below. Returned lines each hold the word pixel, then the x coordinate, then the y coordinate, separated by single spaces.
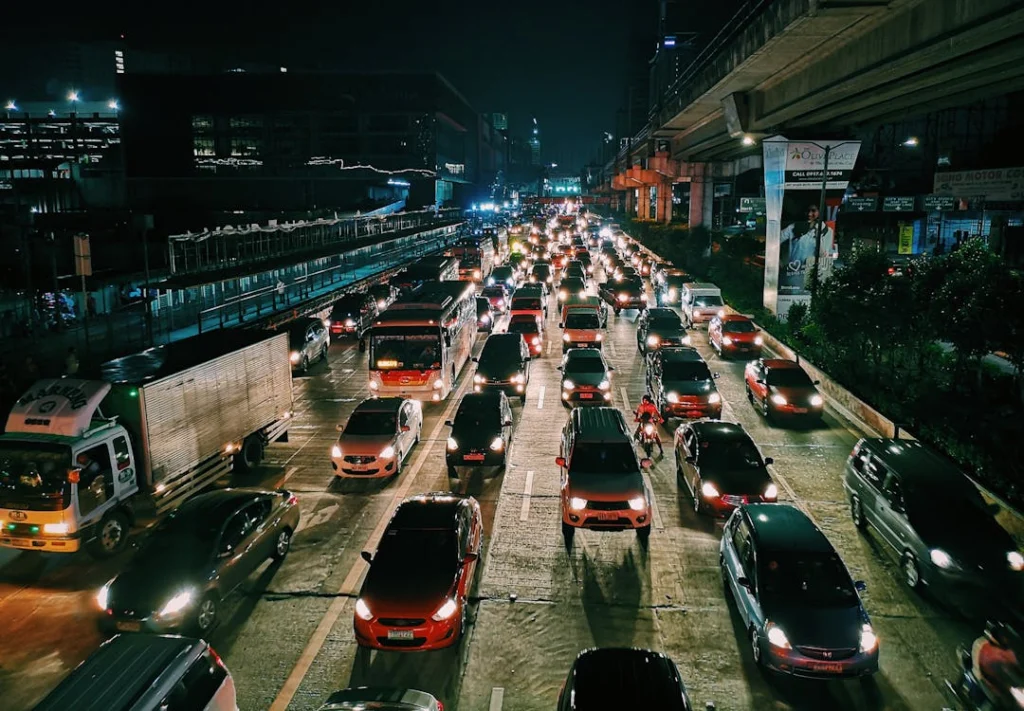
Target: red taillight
pixel 535 341
pixel 440 706
pixel 293 499
pixel 216 658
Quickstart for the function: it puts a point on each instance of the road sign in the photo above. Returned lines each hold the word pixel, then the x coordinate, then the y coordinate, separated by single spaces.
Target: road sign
pixel 941 203
pixel 83 256
pixel 860 204
pixel 898 204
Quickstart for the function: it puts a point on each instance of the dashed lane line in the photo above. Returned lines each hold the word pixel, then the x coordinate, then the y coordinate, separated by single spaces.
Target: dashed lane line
pixel 524 513
pixel 497 698
pixel 540 398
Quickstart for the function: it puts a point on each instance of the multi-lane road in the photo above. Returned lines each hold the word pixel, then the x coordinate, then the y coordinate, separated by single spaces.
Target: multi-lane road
pixel 287 636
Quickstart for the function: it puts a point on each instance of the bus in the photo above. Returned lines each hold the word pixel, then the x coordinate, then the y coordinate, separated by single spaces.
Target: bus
pixel 420 344
pixel 499 236
pixel 476 257
pixel 426 269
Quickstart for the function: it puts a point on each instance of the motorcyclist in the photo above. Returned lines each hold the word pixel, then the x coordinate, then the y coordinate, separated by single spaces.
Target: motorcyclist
pixel 648 412
pixel 997 666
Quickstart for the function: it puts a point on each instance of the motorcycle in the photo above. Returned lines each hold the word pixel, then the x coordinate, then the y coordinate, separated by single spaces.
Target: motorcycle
pixel 968 691
pixel 647 436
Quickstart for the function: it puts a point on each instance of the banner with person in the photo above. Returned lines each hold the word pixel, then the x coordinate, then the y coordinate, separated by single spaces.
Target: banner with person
pixel 798 236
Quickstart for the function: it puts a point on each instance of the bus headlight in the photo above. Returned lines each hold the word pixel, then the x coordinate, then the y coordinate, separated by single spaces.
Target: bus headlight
pixel 497 444
pixel 438 384
pixel 294 357
pixel 566 337
pixel 453 446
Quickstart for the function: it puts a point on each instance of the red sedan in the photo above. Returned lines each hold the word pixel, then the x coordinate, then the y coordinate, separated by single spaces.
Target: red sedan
pixel 733 334
pixel 779 387
pixel 414 596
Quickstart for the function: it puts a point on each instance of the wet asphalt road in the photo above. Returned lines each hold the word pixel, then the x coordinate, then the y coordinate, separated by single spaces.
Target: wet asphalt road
pixel 287 635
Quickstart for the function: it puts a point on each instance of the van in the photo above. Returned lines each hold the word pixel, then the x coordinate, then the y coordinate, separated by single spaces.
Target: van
pixel 701 302
pixel 136 672
pixel 581 328
pixel 589 302
pixel 528 301
pixel 602 482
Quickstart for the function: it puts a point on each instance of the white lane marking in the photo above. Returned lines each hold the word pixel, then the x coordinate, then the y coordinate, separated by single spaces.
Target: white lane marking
pixel 655 511
pixel 287 475
pixel 524 513
pixel 540 398
pixel 353 580
pixel 612 349
pixel 625 399
pixel 497 699
pixel 321 517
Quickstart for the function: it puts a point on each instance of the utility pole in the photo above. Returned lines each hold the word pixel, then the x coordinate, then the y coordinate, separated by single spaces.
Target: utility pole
pixel 819 227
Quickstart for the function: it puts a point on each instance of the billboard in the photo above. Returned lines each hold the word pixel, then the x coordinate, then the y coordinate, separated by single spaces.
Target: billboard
pixel 991 184
pixel 794 172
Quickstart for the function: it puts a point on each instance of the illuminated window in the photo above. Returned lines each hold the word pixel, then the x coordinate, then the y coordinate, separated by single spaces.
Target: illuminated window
pixel 203 146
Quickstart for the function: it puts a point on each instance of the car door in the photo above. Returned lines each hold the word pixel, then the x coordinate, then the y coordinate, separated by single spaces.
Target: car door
pixel 506 417
pixel 231 549
pixel 871 475
pixel 892 521
pixel 689 469
pixel 760 385
pixel 264 525
pixel 738 561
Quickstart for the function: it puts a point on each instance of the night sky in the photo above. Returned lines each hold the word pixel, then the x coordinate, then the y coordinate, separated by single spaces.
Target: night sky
pixel 563 62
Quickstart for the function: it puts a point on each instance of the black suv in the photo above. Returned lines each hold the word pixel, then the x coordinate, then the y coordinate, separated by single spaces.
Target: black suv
pixel 622 678
pixel 503 364
pixel 481 432
pixel 353 314
pixel 682 385
pixel 660 328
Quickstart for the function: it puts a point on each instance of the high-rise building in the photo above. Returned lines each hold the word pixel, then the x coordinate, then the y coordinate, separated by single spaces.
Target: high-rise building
pixel 499 121
pixel 535 144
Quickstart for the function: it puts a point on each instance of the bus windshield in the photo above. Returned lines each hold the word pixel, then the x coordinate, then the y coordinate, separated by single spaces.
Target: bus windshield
pixel 34 475
pixel 405 350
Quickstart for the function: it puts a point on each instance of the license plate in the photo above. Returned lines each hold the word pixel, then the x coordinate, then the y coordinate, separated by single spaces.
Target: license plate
pixel 828 667
pixel 399 634
pixel 129 626
pixel 607 515
pixel 586 396
pixel 694 413
pixel 21 542
pixel 473 457
pixel 799 410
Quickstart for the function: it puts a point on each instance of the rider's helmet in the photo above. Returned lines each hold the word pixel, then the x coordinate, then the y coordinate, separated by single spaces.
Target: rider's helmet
pixel 647 400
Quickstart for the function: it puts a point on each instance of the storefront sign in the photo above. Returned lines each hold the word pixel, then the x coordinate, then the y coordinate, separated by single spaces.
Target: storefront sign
pixel 752 204
pixel 860 204
pixel 906 243
pixel 991 184
pixel 898 204
pixel 942 203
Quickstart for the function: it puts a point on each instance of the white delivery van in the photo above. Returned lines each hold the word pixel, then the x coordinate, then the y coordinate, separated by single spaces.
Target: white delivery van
pixel 701 302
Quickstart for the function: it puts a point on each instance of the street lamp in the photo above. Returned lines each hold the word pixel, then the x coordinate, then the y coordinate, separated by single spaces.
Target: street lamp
pixel 11 106
pixel 749 141
pixel 911 142
pixel 821 209
pixel 73 96
pixel 113 105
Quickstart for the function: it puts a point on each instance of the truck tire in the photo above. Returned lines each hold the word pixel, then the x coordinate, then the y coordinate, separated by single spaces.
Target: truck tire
pixel 251 454
pixel 111 535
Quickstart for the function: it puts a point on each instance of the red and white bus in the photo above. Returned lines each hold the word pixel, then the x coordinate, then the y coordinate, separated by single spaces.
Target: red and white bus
pixel 424 270
pixel 476 258
pixel 420 344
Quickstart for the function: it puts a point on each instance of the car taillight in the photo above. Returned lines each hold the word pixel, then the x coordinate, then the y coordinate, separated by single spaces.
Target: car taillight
pixel 293 499
pixel 440 706
pixel 216 658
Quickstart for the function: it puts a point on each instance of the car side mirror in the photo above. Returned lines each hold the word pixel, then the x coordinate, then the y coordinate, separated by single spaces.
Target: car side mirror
pixel 470 557
pixel 716 376
pixel 366 555
pixel 560 461
pixel 760 381
pixel 558 368
pixel 860 586
pixel 611 368
pixel 817 382
pixel 744 582
pixel 561 324
pixel 768 460
pixel 475 359
pixel 449 423
pixel 406 428
pixel 646 463
pixel 691 459
pixel 340 428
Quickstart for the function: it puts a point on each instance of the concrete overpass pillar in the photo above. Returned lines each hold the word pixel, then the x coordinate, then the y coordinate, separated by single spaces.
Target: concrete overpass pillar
pixel 630 202
pixel 665 202
pixel 644 202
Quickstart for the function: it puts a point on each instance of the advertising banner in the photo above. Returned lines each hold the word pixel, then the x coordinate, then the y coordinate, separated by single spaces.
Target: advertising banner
pixel 991 184
pixel 794 172
pixel 906 243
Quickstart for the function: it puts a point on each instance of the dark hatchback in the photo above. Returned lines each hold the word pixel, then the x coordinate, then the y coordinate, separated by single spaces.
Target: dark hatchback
pixel 196 557
pixel 481 432
pixel 503 364
pixel 682 385
pixel 660 327
pixel 484 314
pixel 623 678
pixel 721 466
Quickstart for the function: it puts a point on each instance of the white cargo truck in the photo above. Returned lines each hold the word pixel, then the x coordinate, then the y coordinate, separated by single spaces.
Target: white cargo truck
pixel 81 459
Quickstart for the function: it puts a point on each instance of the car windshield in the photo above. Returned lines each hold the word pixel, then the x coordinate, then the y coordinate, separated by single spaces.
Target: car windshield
pixel 730 453
pixel 685 370
pixel 297 339
pixel 542 270
pixel 493 291
pixel 572 283
pixel 669 320
pixel 182 540
pixel 606 458
pixel 675 281
pixel 522 303
pixel 346 307
pixel 789 378
pixel 738 327
pixel 477 415
pixel 502 272
pixel 582 319
pixel 500 355
pixel 584 365
pixel 410 351
pixel 808 580
pixel 516 326
pixel 404 548
pixel 371 423
pixel 707 301
pixel 36 470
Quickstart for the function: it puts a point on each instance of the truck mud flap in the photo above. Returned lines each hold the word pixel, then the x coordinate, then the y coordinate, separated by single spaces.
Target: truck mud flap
pixel 169 495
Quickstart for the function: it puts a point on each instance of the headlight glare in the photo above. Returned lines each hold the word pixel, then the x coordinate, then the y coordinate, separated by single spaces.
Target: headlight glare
pixel 577 504
pixel 497 444
pixel 868 639
pixel 771 492
pixel 776 636
pixel 942 559
pixel 653 340
pixel 778 399
pixel 709 490
pixel 604 385
pixel 176 604
pixel 445 611
pixel 714 398
pixel 336 452
pixel 452 444
pixel 816 401
pixel 387 453
pixel 363 610
pixel 672 397
pixel 568 385
pixel 638 503
pixel 1016 560
pixel 103 596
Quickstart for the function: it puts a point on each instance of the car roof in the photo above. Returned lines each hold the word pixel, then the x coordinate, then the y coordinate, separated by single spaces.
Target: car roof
pixel 783 527
pixel 598 424
pixel 605 677
pixel 214 506
pixel 433 510
pixel 302 323
pixel 661 311
pixel 715 430
pixel 482 399
pixel 680 353
pixel 781 364
pixel 583 354
pixel 380 404
pixel 735 317
pixel 914 462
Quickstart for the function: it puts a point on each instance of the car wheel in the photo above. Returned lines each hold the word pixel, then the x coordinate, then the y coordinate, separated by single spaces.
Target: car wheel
pixel 111 537
pixel 857 513
pixel 283 544
pixel 323 353
pixel 765 411
pixel 755 646
pixel 206 615
pixel 911 573
pixel 643 533
pixel 568 532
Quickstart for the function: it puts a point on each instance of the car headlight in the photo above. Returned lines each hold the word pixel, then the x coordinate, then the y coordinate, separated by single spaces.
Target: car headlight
pixel 336 452
pixel 382 304
pixel 485 318
pixel 452 444
pixel 550 279
pixel 942 559
pixel 176 604
pixel 568 385
pixel 56 529
pixel 563 294
pixel 535 340
pixel 476 273
pixel 599 337
pixel 758 341
pixel 478 378
pixel 653 340
pixel 445 611
pixel 604 385
pixel 778 399
pixel 638 503
pixel 721 313
pixel 387 453
pixel 349 323
pixel 374 385
pixel 771 492
pixel 577 504
pixel 363 610
pixel 714 399
pixel 519 378
pixel 649 429
pixel 103 595
pixel 497 443
pixel 672 293
pixel 439 384
pixel 672 397
pixel 776 636
pixel 816 401
pixel 623 297
pixel 566 337
pixel 726 341
pixel 709 490
pixel 294 357
pixel 1016 560
pixel 868 639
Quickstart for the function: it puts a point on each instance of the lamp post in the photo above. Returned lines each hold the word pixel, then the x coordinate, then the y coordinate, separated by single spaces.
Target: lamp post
pixel 820 227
